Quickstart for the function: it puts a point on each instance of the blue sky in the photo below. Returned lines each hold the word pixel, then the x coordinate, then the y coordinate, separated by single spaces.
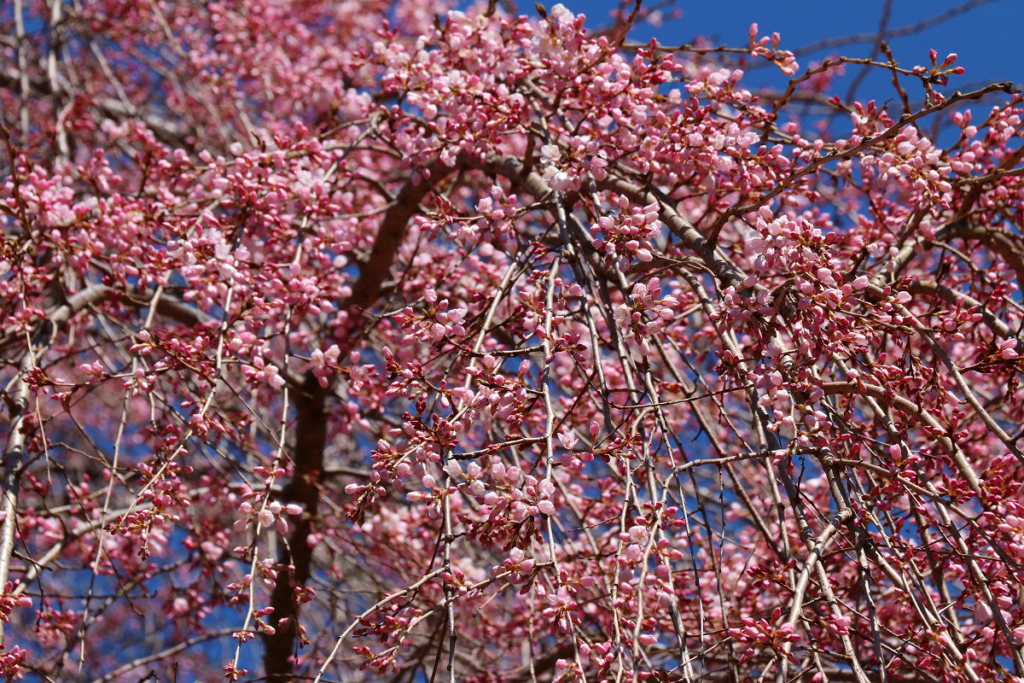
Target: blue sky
pixel 986 39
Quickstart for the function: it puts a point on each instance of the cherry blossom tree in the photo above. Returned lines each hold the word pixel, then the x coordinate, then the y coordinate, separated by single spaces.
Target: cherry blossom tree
pixel 366 340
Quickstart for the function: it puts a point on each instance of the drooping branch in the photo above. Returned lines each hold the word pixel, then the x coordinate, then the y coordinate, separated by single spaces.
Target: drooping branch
pixel 14 455
pixel 14 449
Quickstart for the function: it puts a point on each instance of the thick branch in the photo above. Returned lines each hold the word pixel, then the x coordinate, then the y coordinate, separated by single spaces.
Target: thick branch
pixel 297 556
pixel 311 433
pixel 375 270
